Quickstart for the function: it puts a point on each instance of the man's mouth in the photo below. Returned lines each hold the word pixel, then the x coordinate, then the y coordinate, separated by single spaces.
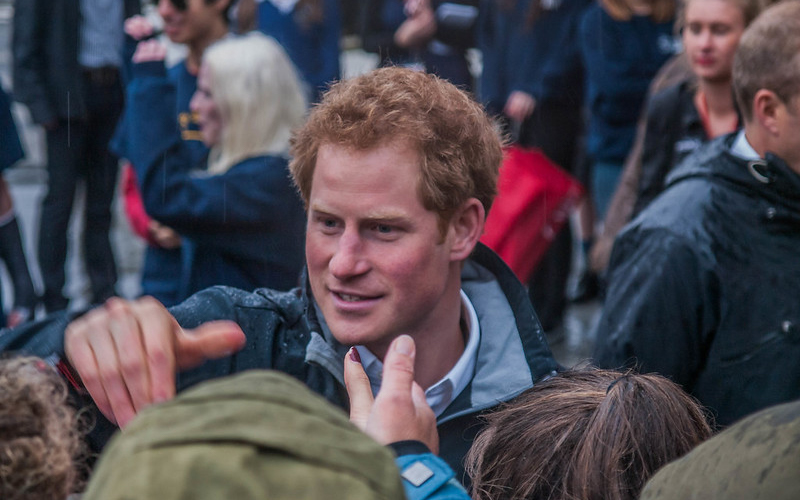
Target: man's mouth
pixel 350 298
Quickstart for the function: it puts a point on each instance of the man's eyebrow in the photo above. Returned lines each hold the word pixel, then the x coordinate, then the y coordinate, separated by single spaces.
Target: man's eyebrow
pixel 388 216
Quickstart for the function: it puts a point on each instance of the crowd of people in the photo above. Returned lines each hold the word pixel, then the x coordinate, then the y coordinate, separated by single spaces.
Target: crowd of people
pixel 314 252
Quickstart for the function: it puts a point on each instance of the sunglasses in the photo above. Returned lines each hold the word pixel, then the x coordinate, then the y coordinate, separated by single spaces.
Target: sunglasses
pixel 178 4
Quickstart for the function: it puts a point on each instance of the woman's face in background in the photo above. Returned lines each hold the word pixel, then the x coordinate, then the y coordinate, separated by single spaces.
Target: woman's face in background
pixel 206 110
pixel 710 37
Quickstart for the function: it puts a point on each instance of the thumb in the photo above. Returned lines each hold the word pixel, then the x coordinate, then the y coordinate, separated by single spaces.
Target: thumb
pixel 358 389
pixel 212 340
pixel 398 367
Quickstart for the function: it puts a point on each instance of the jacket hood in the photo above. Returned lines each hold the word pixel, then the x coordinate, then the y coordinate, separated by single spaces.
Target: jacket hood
pixel 769 178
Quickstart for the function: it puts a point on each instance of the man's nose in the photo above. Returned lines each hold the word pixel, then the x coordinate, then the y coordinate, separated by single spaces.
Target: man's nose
pixel 165 8
pixel 706 39
pixel 349 259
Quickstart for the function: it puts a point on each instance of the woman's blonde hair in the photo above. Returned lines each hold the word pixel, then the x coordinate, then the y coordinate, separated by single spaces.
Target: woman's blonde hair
pixel 259 96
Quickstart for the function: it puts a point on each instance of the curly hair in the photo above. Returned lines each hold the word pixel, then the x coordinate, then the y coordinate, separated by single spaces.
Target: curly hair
pixel 459 146
pixel 585 434
pixel 40 441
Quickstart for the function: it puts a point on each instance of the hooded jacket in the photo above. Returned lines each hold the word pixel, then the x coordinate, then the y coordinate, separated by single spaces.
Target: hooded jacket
pixel 703 285
pixel 284 333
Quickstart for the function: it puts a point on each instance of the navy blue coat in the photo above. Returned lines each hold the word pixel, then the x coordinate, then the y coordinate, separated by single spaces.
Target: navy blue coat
pixel 243 228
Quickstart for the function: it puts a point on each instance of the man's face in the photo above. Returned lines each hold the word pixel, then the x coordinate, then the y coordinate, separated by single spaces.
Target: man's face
pixel 188 21
pixel 378 265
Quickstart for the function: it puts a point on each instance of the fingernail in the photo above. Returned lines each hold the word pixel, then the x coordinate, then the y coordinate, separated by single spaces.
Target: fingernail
pixel 404 345
pixel 354 355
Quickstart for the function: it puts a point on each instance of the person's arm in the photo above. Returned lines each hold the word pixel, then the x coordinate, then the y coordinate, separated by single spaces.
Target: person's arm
pixel 426 476
pixel 658 312
pixel 153 135
pixel 377 32
pixel 30 61
pixel 251 194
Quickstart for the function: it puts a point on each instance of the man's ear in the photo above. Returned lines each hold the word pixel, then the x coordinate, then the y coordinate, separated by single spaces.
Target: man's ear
pixel 466 227
pixel 766 108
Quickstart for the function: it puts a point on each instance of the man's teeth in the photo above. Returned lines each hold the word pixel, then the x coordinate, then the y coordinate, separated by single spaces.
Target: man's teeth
pixel 350 298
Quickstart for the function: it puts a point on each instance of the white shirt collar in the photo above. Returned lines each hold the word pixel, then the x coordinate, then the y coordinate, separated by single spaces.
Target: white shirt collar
pixel 742 148
pixel 284 6
pixel 443 392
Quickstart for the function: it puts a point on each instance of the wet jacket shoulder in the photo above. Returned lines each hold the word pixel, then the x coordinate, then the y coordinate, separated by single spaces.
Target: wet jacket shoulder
pixel 702 284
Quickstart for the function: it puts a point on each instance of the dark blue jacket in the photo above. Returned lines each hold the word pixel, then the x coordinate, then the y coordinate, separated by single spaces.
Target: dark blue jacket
pixel 284 333
pixel 242 228
pixel 542 60
pixel 313 47
pixel 620 58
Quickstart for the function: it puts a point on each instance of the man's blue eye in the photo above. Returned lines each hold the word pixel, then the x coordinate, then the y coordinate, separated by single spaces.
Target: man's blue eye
pixel 383 228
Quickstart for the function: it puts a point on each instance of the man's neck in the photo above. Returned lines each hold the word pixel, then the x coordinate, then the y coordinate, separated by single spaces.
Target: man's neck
pixel 438 348
pixel 438 354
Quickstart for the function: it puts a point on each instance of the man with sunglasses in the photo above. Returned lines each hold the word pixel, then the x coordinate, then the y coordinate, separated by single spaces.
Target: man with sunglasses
pixel 195 24
pixel 67 56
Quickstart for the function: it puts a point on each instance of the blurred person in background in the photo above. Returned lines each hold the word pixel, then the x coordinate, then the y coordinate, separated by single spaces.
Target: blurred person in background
pixel 683 115
pixel 196 24
pixel 309 31
pixel 67 59
pixel 702 284
pixel 623 44
pixel 12 250
pixel 533 77
pixel 428 35
pixel 240 219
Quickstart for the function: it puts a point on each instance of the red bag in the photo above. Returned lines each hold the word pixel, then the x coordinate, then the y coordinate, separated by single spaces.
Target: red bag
pixel 534 200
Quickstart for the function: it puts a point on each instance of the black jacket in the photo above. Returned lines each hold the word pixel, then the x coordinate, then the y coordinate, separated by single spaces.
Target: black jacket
pixel 284 333
pixel 47 76
pixel 704 284
pixel 674 131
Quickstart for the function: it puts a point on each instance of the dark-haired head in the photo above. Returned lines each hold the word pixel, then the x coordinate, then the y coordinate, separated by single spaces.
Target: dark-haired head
pixel 588 434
